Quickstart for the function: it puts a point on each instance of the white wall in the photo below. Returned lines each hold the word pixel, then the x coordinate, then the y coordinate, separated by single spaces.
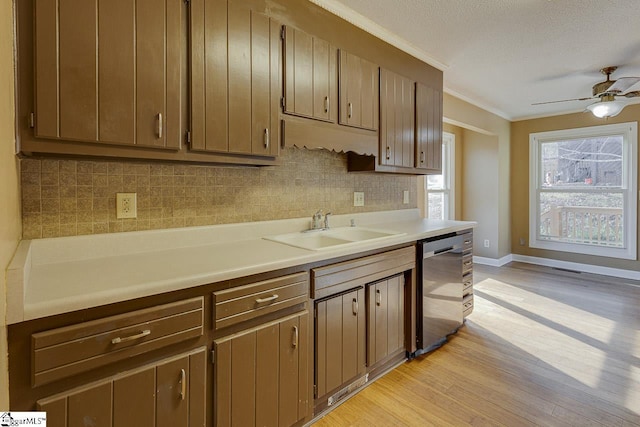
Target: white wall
pixel 480 182
pixel 483 123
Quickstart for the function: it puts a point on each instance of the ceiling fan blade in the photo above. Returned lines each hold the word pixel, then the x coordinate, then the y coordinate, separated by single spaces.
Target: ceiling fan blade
pixel 622 84
pixel 633 94
pixel 562 100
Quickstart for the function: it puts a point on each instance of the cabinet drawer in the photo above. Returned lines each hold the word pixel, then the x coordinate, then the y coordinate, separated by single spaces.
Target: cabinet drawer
pixel 246 302
pixel 70 350
pixel 467 243
pixel 467 283
pixel 336 278
pixel 467 263
pixel 467 305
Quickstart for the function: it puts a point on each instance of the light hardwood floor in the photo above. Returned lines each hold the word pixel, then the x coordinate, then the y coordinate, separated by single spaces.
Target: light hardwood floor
pixel 542 347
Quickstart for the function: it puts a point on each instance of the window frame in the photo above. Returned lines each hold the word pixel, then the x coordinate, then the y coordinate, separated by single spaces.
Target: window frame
pixel 629 133
pixel 449 178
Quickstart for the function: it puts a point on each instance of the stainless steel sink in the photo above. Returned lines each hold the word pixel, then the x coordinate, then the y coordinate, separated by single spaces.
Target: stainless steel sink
pixel 316 240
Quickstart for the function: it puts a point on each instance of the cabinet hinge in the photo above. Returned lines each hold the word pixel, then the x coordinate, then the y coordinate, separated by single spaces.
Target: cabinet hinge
pixel 213 357
pixel 283 103
pixel 187 138
pixel 283 31
pixel 32 120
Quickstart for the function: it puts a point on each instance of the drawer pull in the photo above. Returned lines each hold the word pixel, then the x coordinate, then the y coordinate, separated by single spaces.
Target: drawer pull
pixel 354 306
pixel 468 263
pixel 267 299
pixel 183 384
pixel 294 344
pixel 159 125
pixel 350 110
pixel 266 138
pixel 378 297
pixel 326 104
pixel 141 334
pixel 467 242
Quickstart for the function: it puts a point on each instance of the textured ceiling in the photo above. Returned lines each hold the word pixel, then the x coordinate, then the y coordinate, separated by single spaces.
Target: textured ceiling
pixel 504 55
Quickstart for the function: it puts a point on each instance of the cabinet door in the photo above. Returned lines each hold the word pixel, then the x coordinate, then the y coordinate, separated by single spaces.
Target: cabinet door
pixel 358 88
pixel 385 300
pixel 261 374
pixel 428 128
pixel 309 76
pixel 170 393
pixel 108 74
pixel 397 117
pixel 340 341
pixel 235 86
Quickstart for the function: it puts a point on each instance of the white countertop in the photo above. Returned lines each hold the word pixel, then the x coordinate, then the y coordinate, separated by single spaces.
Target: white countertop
pixel 59 275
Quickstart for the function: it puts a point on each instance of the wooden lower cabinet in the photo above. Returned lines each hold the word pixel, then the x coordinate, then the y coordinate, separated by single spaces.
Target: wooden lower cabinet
pixel 261 374
pixel 340 342
pixel 385 325
pixel 168 393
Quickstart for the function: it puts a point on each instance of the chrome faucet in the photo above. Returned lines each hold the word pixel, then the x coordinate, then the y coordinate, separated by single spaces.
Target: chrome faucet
pixel 316 220
pixel 326 220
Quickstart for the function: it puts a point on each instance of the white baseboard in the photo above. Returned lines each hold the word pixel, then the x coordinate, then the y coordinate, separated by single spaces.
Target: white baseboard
pixel 585 268
pixel 492 261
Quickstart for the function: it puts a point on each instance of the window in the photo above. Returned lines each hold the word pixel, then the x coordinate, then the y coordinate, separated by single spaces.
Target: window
pixel 582 194
pixel 440 199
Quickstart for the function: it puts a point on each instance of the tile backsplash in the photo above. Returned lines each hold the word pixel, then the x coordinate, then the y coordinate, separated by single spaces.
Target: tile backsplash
pixel 74 197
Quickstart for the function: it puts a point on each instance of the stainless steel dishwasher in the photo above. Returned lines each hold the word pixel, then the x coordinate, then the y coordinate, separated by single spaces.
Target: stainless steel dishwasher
pixel 439 310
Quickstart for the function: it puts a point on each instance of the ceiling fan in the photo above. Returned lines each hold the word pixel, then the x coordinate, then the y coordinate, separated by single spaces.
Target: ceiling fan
pixel 606 93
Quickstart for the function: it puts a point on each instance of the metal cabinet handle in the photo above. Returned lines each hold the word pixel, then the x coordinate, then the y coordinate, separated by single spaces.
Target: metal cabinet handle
pixel 294 344
pixel 388 152
pixel 159 125
pixel 141 334
pixel 267 299
pixel 468 263
pixel 467 242
pixel 183 384
pixel 350 110
pixel 422 157
pixel 354 306
pixel 378 297
pixel 266 138
pixel 326 104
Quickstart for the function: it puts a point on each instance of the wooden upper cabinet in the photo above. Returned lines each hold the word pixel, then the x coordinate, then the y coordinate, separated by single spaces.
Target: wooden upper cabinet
pixel 358 88
pixel 309 76
pixel 397 118
pixel 428 128
pixel 235 83
pixel 108 74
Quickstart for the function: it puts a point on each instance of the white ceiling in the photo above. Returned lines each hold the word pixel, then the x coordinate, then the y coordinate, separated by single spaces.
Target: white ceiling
pixel 504 55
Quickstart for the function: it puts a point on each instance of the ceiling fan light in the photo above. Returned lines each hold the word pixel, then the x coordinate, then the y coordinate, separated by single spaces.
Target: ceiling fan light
pixel 603 109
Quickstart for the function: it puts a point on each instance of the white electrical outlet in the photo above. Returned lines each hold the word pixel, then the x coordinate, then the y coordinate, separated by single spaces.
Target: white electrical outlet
pixel 126 206
pixel 486 243
pixel 405 197
pixel 358 198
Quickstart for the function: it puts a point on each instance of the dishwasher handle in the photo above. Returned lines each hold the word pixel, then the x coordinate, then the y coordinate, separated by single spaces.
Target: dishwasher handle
pixel 444 250
pixel 440 251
